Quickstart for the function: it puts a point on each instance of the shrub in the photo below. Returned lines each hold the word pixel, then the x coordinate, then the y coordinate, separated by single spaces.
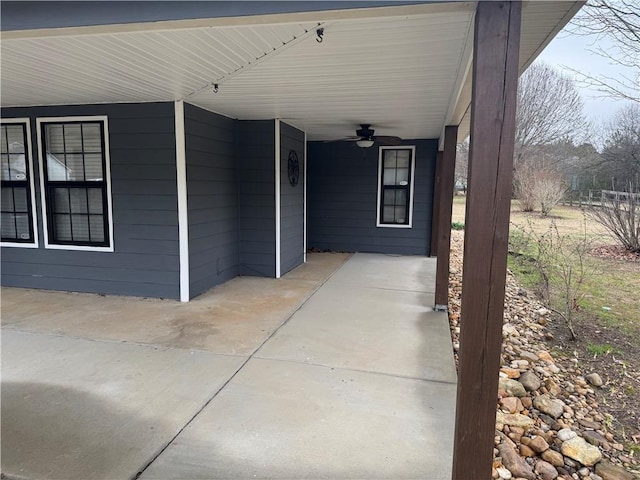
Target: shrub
pixel 620 214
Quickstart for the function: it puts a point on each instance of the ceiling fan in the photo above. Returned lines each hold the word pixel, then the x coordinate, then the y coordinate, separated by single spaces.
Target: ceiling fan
pixel 365 137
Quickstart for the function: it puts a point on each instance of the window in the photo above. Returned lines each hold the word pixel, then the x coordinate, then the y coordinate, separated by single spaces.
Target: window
pixel 17 194
pixel 395 186
pixel 74 163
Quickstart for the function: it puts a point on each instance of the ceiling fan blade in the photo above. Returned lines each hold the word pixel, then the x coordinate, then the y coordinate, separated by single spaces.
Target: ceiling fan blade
pixel 345 139
pixel 388 140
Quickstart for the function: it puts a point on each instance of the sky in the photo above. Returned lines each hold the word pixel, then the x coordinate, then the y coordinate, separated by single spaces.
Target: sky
pixel 573 51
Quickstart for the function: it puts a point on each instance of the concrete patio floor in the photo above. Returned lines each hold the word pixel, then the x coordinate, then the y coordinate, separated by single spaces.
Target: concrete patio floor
pixel 337 370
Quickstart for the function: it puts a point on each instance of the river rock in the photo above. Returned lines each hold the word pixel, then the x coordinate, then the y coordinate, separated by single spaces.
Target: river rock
pixel 538 444
pixel 566 434
pixel 529 381
pixel 546 470
pixel 578 449
pixel 512 387
pixel 515 420
pixel 515 463
pixel 548 405
pixel 594 379
pixel 554 458
pixel 608 471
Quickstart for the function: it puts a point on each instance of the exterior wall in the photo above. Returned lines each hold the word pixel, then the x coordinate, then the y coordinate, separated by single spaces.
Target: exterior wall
pixel 342 200
pixel 212 198
pixel 291 201
pixel 145 260
pixel 257 197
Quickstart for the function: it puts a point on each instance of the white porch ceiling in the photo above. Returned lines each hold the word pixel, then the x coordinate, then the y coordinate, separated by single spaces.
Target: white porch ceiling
pixel 402 69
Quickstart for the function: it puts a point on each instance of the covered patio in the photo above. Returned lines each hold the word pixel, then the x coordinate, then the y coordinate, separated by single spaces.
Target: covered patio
pixel 341 369
pixel 206 108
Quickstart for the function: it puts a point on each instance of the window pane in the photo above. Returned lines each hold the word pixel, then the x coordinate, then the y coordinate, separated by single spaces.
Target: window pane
pixel 389 158
pixel 401 197
pixel 92 137
pixel 54 138
pixel 62 225
pixel 388 214
pixel 95 200
pixel 60 200
pixel 72 138
pixel 389 197
pixel 22 224
pixel 6 199
pixel 7 226
pixel 80 224
pixel 403 158
pixel 75 167
pixel 93 167
pixel 21 203
pixel 400 215
pixel 3 139
pixel 97 228
pixel 56 169
pixel 4 162
pixel 402 177
pixel 78 201
pixel 389 176
pixel 15 138
pixel 17 166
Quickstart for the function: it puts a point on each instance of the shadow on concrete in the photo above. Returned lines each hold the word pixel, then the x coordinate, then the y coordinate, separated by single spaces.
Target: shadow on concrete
pixel 54 432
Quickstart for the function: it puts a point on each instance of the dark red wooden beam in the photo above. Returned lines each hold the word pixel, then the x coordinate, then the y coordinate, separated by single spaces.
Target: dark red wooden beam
pixel 445 204
pixel 493 106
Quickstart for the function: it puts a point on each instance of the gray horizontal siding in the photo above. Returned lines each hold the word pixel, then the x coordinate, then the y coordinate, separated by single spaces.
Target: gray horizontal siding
pixel 257 198
pixel 291 200
pixel 342 200
pixel 145 261
pixel 212 198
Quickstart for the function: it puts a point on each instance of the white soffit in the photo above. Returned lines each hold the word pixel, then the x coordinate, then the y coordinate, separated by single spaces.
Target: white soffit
pixel 401 69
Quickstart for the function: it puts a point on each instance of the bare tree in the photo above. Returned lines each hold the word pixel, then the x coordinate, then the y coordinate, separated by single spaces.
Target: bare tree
pixel 462 165
pixel 539 186
pixel 615 24
pixel 620 214
pixel 549 109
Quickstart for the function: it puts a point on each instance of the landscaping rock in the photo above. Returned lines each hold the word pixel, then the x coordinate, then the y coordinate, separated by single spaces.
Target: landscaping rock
pixel 529 381
pixel 566 434
pixel 514 419
pixel 594 379
pixel 554 458
pixel 513 388
pixel 608 471
pixel 546 470
pixel 514 462
pixel 581 451
pixel 538 444
pixel 548 405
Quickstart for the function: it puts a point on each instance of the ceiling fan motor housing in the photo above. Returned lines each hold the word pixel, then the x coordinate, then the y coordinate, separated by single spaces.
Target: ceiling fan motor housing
pixel 365 131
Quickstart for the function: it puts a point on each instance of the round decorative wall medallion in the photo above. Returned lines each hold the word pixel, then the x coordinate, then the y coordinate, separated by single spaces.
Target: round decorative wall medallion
pixel 293 168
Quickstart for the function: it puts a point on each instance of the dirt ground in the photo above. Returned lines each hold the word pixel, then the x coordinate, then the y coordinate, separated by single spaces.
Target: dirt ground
pixel 607 322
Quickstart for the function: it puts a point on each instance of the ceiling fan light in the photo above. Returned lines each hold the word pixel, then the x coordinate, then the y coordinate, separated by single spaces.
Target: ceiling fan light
pixel 364 143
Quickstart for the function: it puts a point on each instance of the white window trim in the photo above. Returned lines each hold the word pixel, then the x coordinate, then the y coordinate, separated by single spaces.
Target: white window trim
pixel 277 166
pixel 107 174
pixel 411 182
pixel 32 199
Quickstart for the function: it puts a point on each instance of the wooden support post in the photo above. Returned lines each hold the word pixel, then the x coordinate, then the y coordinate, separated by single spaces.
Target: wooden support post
pixel 493 105
pixel 445 204
pixel 436 205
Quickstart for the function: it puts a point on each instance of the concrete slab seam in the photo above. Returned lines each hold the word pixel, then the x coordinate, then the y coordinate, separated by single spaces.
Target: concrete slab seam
pixel 215 394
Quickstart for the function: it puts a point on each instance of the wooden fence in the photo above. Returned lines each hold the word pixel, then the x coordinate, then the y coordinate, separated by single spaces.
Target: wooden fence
pixel 596 197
